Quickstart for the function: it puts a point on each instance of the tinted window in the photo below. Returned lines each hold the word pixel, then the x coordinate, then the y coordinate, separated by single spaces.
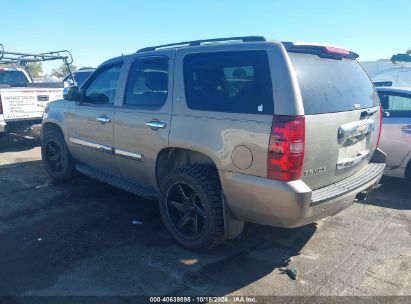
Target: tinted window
pixel 81 77
pixel 13 78
pixel 235 82
pixel 329 85
pixel 104 87
pixel 395 105
pixel 147 84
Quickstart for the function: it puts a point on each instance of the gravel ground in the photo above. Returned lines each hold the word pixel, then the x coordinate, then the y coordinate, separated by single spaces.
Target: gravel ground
pixel 78 238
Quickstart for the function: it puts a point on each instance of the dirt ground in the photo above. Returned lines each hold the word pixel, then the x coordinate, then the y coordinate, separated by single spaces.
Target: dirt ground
pixel 78 238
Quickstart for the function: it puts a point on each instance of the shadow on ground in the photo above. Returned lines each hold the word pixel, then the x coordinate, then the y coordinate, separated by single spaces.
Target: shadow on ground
pixel 78 238
pixel 11 142
pixel 391 194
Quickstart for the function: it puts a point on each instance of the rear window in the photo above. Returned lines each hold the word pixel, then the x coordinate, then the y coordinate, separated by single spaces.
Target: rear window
pixel 147 83
pixel 233 82
pixel 13 78
pixel 329 85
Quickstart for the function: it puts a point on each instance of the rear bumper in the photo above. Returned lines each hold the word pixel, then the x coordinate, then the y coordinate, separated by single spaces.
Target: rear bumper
pixel 269 202
pixel 17 124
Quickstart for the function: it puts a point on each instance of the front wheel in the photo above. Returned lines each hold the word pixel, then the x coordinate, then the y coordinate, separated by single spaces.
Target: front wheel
pixel 56 157
pixel 191 207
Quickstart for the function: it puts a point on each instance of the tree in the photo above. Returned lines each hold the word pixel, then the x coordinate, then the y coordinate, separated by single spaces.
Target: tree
pixel 62 71
pixel 409 51
pixel 35 68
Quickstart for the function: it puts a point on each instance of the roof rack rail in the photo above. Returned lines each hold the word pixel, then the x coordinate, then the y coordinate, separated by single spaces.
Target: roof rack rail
pixel 199 42
pixel 401 58
pixel 8 57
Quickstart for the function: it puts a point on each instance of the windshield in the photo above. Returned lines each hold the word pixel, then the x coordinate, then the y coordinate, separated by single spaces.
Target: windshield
pixel 329 85
pixel 13 78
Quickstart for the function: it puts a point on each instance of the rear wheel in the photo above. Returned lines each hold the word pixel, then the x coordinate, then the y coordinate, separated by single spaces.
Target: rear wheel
pixel 56 157
pixel 191 208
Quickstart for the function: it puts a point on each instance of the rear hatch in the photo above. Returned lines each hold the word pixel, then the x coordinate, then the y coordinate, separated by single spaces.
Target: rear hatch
pixel 342 117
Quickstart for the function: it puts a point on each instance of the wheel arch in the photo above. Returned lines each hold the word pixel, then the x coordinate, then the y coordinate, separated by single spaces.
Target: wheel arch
pixel 171 158
pixel 408 169
pixel 50 125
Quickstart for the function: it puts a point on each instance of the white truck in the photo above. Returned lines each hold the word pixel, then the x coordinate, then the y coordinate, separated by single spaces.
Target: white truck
pixel 394 72
pixel 22 101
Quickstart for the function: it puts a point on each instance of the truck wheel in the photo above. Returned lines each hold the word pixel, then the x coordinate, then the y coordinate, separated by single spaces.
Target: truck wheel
pixel 56 157
pixel 191 207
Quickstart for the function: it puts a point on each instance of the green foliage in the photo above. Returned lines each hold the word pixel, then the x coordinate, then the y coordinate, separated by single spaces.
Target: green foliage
pixel 35 68
pixel 62 71
pixel 409 51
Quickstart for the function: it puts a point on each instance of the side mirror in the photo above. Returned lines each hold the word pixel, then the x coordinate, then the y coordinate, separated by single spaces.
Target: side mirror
pixel 71 93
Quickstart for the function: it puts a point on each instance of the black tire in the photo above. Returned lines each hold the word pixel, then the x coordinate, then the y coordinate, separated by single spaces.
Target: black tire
pixel 201 185
pixel 59 166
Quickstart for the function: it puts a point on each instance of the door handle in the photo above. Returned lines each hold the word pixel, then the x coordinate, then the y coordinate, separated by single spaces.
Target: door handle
pixel 406 129
pixel 154 124
pixel 103 119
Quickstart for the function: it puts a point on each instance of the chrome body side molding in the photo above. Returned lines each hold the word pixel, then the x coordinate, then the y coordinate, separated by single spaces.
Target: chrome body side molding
pixel 107 149
pixel 128 154
pixel 88 144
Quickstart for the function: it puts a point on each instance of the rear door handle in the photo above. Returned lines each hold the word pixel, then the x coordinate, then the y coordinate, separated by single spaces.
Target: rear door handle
pixel 154 124
pixel 103 119
pixel 406 129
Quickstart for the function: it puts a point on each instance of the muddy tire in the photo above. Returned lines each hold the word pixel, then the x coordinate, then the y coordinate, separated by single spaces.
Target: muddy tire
pixel 191 207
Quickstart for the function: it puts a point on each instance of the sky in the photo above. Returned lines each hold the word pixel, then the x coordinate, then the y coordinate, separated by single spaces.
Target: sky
pixel 96 30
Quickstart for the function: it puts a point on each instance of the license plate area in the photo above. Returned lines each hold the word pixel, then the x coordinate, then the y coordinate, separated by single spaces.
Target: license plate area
pixel 352 155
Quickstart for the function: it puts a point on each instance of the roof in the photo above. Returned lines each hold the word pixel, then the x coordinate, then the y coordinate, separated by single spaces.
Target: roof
pixel 301 47
pixel 204 42
pixel 85 70
pixel 401 90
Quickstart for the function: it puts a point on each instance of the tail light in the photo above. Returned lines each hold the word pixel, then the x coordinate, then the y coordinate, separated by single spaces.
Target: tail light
pixel 1 106
pixel 379 134
pixel 286 148
pixel 336 51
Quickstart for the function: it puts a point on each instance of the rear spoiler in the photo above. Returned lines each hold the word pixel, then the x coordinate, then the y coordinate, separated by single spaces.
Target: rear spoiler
pixel 323 51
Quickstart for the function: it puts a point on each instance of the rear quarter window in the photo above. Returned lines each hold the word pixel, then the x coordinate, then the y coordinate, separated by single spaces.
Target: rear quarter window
pixel 330 85
pixel 233 82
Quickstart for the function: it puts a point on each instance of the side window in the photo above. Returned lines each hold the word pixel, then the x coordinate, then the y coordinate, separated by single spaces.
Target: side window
pixel 147 83
pixel 233 82
pixel 396 105
pixel 103 88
